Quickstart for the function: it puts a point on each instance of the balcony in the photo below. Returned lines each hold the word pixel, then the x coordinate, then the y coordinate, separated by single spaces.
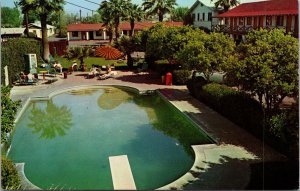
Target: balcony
pixel 245 29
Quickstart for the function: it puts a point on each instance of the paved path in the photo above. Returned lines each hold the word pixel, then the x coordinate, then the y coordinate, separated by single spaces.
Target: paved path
pixel 227 165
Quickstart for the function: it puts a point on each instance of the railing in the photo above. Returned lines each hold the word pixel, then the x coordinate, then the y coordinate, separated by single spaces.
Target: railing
pixel 243 29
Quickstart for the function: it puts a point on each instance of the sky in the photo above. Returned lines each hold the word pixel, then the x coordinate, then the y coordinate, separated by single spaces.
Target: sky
pixel 69 8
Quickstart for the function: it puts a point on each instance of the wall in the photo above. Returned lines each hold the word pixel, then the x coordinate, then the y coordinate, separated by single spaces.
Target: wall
pixel 204 23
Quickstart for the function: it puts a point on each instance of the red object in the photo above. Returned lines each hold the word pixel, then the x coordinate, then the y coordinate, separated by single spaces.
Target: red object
pixel 65 75
pixel 272 7
pixel 108 52
pixel 169 79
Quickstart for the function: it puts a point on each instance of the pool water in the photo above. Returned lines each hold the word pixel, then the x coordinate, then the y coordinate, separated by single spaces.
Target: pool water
pixel 66 142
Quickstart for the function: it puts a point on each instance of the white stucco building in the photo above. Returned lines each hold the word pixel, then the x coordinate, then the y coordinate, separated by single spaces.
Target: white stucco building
pixel 203 12
pixel 37 29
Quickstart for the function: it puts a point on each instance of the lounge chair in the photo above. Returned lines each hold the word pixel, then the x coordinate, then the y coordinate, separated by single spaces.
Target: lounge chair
pixel 111 74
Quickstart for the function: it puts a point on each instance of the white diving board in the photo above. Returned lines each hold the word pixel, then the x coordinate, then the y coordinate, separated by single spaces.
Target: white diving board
pixel 121 173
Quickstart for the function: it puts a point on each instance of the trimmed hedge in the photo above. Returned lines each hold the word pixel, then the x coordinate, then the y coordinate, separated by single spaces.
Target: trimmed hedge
pixel 181 77
pixel 9 175
pixel 9 110
pixel 236 106
pixel 13 51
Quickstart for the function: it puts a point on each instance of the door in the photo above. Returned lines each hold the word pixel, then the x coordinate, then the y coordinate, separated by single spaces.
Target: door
pixel 91 35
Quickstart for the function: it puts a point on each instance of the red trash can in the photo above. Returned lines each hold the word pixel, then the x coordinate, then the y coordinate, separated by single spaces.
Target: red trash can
pixel 169 79
pixel 65 75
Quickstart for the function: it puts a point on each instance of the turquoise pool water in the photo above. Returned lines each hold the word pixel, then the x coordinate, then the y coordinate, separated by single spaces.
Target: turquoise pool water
pixel 65 142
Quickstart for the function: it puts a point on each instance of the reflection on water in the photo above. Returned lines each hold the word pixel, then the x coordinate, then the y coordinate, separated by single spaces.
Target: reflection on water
pixel 86 91
pixel 112 98
pixel 169 121
pixel 51 121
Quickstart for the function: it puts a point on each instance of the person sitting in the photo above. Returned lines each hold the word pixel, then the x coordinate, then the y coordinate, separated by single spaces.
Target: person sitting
pixel 57 66
pixel 93 72
pixel 30 78
pixel 74 66
pixel 109 74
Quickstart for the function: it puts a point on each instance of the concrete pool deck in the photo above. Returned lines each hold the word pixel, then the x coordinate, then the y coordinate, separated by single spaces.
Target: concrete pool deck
pixel 225 165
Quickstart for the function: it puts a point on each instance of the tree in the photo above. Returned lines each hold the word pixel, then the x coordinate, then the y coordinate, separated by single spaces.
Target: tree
pixel 207 52
pixel 268 67
pixel 226 4
pixel 43 8
pixel 79 53
pixel 134 13
pixel 10 17
pixel 164 42
pixel 159 7
pixel 112 11
pixel 128 45
pixel 179 14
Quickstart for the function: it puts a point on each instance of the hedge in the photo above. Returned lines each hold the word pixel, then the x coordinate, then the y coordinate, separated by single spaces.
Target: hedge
pixel 9 110
pixel 13 51
pixel 181 77
pixel 9 175
pixel 236 106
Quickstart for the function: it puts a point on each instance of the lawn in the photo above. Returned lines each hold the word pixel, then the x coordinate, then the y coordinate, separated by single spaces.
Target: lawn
pixel 89 61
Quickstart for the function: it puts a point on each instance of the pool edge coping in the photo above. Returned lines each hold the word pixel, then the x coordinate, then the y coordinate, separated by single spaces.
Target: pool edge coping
pixel 140 92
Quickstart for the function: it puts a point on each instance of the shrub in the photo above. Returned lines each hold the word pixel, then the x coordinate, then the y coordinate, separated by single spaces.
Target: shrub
pixel 9 110
pixel 13 51
pixel 181 76
pixel 9 175
pixel 195 84
pixel 284 126
pixel 236 106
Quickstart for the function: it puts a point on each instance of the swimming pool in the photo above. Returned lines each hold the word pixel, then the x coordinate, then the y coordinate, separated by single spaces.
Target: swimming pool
pixel 65 142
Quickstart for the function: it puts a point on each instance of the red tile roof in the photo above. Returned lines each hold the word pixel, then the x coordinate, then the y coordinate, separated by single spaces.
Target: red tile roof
pixel 84 27
pixel 272 7
pixel 123 26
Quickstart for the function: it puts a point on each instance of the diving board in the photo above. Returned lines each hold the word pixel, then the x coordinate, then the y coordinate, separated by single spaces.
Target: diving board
pixel 121 173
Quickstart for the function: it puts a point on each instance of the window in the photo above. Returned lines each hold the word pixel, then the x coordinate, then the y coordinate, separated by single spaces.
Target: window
pixel 75 34
pixel 279 21
pixel 99 33
pixel 268 20
pixel 209 16
pixel 241 21
pixel 194 17
pixel 203 16
pixel 198 16
pixel 125 32
pixel 249 20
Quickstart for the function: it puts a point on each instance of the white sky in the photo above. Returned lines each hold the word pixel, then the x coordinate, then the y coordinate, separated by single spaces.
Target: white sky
pixel 73 9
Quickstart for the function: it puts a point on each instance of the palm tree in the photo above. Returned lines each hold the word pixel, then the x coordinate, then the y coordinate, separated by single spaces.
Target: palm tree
pixel 113 11
pixel 179 14
pixel 160 7
pixel 43 8
pixel 226 4
pixel 107 20
pixel 25 7
pixel 134 13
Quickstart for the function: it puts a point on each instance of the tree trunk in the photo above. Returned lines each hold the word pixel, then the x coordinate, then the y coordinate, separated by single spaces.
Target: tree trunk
pixel 131 28
pixel 160 17
pixel 26 23
pixel 226 8
pixel 117 22
pixel 129 60
pixel 45 43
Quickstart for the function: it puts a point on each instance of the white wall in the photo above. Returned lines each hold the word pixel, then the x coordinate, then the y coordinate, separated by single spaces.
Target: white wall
pixel 204 22
pixel 38 32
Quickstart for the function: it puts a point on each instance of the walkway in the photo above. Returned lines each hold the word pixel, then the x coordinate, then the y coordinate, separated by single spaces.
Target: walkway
pixel 225 165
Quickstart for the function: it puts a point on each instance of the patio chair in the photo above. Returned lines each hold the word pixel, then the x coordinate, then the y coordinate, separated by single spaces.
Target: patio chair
pixel 111 74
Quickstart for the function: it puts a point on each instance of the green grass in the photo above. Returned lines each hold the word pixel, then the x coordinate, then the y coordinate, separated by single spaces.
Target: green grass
pixel 89 61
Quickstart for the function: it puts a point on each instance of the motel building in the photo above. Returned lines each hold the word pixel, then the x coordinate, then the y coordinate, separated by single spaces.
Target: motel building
pixel 237 22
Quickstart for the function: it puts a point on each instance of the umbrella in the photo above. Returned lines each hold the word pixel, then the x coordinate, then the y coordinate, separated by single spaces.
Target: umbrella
pixel 108 52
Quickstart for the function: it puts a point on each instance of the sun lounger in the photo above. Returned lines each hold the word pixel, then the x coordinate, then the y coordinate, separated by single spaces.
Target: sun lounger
pixel 111 74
